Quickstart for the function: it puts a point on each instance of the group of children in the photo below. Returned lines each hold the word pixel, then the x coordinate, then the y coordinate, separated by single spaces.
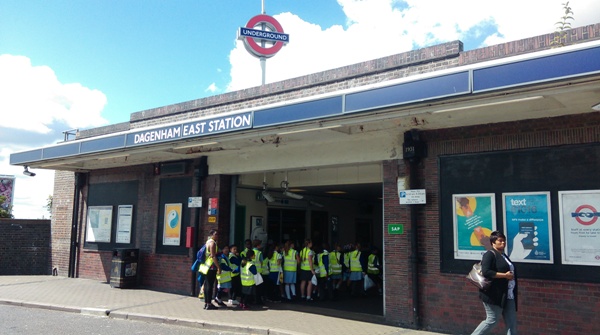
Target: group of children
pixel 256 276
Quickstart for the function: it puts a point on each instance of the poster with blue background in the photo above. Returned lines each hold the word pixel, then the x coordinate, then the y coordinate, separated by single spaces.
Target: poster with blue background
pixel 527 226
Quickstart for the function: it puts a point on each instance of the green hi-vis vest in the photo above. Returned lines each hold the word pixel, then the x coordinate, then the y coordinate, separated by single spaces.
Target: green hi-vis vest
pixel 289 261
pixel 371 267
pixel 335 267
pixel 225 276
pixel 304 265
pixel 273 264
pixel 257 262
pixel 208 261
pixel 322 269
pixel 246 276
pixel 355 261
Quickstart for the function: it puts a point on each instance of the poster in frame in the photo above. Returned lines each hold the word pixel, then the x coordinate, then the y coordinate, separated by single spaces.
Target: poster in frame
pixel 124 219
pixel 172 224
pixel 99 224
pixel 474 219
pixel 528 227
pixel 580 227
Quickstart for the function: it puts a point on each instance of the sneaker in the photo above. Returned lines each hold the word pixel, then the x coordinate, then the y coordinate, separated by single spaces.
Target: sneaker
pixel 214 304
pixel 209 307
pixel 309 299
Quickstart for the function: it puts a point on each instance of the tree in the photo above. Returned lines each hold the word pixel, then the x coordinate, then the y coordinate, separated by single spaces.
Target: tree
pixel 49 205
pixel 5 213
pixel 560 35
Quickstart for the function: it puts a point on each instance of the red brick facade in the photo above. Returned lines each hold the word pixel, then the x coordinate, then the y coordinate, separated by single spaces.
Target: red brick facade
pixel 446 301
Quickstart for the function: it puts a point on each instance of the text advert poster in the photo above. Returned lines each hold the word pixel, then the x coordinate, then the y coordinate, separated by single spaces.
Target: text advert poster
pixel 474 220
pixel 527 226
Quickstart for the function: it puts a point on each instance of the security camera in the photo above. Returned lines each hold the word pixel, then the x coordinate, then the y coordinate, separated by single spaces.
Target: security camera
pixel 27 172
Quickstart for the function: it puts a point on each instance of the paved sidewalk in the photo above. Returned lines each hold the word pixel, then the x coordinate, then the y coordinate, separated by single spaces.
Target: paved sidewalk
pixel 97 298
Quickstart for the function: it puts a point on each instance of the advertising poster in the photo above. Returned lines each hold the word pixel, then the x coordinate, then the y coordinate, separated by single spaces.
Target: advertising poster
pixel 527 226
pixel 7 189
pixel 99 224
pixel 580 227
pixel 474 220
pixel 172 224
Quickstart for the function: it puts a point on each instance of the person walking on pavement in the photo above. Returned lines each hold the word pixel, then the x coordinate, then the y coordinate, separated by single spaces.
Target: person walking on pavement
pixel 501 298
pixel 213 269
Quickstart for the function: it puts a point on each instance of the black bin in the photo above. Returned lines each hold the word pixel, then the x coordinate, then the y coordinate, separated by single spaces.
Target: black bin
pixel 124 268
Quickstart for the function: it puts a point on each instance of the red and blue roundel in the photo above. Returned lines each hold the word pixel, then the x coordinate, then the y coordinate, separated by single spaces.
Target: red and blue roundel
pixel 260 31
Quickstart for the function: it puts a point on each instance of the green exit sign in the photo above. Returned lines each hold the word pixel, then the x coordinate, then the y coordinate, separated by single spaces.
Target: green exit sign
pixel 396 229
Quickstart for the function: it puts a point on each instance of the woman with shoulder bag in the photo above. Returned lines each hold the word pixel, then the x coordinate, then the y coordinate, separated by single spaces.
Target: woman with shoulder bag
pixel 501 298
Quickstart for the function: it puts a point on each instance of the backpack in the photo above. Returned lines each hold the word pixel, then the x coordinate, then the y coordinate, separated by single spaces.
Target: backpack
pixel 200 256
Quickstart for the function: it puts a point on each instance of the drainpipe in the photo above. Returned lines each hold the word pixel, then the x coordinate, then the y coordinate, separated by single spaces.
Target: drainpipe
pixel 200 172
pixel 413 150
pixel 80 180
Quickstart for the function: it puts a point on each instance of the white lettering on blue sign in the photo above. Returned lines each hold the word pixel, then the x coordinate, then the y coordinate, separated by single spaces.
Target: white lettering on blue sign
pixel 158 135
pixel 192 129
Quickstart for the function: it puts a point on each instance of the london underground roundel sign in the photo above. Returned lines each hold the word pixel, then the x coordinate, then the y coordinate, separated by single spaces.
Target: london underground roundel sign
pixel 263 36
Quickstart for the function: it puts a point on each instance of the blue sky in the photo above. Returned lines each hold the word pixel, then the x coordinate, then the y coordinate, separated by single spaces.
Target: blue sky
pixel 84 64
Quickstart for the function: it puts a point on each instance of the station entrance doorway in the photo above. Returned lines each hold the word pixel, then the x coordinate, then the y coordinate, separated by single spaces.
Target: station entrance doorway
pixel 341 213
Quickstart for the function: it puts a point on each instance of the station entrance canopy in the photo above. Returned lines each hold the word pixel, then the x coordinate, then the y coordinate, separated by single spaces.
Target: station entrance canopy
pixel 549 83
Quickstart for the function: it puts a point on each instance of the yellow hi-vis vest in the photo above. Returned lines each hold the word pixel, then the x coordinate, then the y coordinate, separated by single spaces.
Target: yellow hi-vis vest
pixel 208 261
pixel 246 276
pixel 335 267
pixel 233 266
pixel 225 276
pixel 289 261
pixel 355 261
pixel 371 268
pixel 322 269
pixel 257 262
pixel 265 266
pixel 304 265
pixel 273 262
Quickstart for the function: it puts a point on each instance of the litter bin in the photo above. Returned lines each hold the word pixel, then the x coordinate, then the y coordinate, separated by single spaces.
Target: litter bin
pixel 124 268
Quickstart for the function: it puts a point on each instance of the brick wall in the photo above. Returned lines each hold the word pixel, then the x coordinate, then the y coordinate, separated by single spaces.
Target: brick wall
pixel 24 247
pixel 62 214
pixel 447 301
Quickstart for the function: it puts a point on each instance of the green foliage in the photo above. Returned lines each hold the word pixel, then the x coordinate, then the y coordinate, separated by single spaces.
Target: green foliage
pixel 49 205
pixel 562 26
pixel 4 213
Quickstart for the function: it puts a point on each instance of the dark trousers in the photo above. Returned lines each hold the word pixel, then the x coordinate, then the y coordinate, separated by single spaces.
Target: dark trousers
pixel 209 285
pixel 324 288
pixel 236 287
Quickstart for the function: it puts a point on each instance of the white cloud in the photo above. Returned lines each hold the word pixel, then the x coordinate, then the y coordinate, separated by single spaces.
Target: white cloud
pixel 35 107
pixel 377 28
pixel 212 88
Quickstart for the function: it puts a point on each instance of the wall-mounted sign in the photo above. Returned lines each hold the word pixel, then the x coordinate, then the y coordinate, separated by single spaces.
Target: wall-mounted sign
pixel 396 229
pixel 191 129
pixel 194 202
pixel 269 32
pixel 474 220
pixel 412 197
pixel 580 227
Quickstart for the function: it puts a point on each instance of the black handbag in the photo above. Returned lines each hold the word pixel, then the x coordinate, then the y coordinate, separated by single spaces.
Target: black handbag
pixel 476 278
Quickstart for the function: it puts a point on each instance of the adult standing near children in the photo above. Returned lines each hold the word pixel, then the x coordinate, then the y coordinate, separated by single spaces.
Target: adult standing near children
pixel 501 298
pixel 213 268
